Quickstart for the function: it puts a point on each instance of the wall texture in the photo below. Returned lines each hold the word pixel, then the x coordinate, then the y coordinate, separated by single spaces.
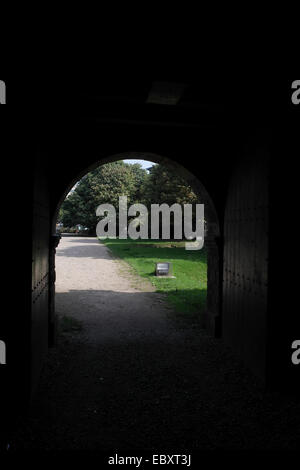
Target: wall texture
pixel 40 269
pixel 245 273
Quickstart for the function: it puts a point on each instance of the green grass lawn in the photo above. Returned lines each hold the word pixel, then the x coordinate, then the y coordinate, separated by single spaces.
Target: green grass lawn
pixel 187 292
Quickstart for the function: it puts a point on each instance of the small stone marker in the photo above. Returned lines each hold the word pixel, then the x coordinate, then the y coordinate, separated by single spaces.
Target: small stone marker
pixel 164 269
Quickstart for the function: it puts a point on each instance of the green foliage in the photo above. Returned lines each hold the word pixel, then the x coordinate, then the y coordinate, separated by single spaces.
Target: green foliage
pixel 110 181
pixel 165 186
pixel 101 186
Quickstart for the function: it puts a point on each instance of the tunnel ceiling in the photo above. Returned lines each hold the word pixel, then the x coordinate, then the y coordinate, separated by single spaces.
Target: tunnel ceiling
pixel 162 92
pixel 155 101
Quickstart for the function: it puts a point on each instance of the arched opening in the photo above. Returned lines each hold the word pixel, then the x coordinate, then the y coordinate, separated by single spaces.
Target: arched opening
pixel 192 180
pixel 210 318
pixel 200 398
pixel 150 354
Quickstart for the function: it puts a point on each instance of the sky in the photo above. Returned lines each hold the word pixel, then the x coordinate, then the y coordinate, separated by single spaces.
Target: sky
pixel 145 164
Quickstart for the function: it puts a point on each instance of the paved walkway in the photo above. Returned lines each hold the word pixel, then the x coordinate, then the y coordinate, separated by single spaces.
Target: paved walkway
pixel 133 378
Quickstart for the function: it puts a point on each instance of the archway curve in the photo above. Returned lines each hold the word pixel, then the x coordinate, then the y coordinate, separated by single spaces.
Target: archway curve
pixel 199 189
pixel 211 319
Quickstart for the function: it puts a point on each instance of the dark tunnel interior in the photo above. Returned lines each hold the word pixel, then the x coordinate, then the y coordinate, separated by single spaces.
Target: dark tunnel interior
pixel 239 147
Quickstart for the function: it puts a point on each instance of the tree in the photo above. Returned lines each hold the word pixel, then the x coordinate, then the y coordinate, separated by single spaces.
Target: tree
pixel 103 185
pixel 163 185
pixel 107 183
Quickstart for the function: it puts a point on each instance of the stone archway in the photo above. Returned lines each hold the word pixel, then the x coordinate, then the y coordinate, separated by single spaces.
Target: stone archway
pixel 212 316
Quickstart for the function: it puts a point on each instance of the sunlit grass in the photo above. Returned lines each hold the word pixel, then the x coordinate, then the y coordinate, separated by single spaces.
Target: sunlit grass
pixel 187 291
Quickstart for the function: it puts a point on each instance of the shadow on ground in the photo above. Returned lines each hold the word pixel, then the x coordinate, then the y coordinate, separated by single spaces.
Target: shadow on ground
pixel 178 390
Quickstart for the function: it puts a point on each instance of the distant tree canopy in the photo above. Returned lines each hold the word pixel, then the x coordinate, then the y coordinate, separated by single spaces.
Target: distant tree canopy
pixel 165 186
pixel 109 181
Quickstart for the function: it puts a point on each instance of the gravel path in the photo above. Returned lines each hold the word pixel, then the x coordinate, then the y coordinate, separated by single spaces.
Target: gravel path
pixel 135 378
pixel 114 304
